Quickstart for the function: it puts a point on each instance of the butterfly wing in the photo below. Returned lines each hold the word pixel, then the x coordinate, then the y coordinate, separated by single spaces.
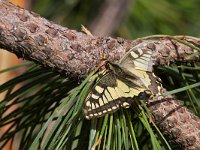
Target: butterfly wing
pixel 140 63
pixel 138 58
pixel 109 94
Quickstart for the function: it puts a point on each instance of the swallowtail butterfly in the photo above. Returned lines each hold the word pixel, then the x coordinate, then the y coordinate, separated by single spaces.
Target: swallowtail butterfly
pixel 120 84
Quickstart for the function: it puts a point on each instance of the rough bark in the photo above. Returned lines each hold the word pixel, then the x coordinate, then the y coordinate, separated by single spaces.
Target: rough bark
pixel 177 123
pixel 32 37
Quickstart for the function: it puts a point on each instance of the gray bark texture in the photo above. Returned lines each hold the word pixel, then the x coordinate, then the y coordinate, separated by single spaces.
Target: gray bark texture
pixel 75 54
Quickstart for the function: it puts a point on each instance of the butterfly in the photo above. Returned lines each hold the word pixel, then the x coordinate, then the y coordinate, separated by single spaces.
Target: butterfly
pixel 120 83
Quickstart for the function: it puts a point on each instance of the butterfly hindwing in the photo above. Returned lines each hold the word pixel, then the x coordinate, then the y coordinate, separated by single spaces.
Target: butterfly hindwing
pixel 109 94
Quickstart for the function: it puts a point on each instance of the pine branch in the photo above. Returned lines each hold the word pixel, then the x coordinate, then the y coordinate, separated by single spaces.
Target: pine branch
pixel 176 122
pixel 34 38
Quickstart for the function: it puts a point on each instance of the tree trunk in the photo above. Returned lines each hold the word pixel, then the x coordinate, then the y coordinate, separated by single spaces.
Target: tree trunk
pixel 34 38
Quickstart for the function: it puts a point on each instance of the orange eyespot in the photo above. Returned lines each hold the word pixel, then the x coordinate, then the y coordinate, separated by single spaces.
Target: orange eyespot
pixel 104 64
pixel 103 61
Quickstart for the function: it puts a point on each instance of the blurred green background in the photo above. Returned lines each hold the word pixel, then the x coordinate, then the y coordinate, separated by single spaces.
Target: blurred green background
pixel 140 18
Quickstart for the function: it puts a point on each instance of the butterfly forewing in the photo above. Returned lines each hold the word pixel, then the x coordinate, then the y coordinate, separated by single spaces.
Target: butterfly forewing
pixel 138 59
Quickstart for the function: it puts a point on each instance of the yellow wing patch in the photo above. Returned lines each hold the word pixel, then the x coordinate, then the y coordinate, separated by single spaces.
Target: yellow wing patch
pixel 144 77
